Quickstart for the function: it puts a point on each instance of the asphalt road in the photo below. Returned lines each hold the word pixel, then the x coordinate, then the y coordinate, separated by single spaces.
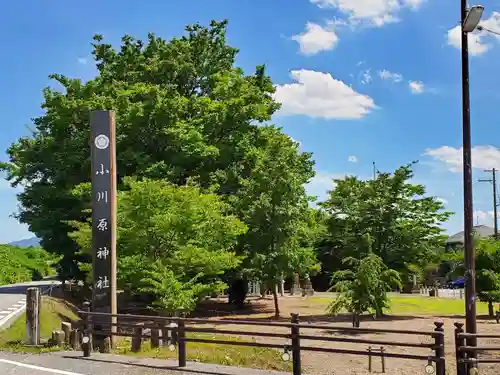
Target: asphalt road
pixel 13 298
pixel 72 363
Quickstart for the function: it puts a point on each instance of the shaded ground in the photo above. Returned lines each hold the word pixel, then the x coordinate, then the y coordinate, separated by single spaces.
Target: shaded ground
pixel 312 310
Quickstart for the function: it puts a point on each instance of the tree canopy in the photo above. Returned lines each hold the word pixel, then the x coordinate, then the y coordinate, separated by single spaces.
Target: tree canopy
pixel 379 233
pixel 174 242
pixel 185 114
pixel 403 223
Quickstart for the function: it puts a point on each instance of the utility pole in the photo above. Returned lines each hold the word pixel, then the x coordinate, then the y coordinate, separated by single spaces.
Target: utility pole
pixel 493 180
pixel 374 171
pixel 469 22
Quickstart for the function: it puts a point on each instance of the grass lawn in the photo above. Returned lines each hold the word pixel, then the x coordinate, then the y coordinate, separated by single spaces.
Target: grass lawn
pixel 53 312
pixel 420 305
pixel 241 356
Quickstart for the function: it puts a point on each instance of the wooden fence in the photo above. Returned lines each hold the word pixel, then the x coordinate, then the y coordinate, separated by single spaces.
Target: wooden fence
pixel 95 326
pixel 467 351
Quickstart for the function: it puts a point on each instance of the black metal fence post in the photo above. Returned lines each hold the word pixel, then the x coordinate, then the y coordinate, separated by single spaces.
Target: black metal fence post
pixel 86 328
pixel 297 367
pixel 459 355
pixel 439 349
pixel 181 337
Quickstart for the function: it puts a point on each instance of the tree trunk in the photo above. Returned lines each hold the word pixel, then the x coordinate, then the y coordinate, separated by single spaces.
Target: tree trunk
pixel 355 320
pixel 276 304
pixel 491 310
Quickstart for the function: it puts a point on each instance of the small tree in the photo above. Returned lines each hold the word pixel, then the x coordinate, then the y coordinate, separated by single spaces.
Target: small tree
pixel 174 242
pixel 488 287
pixel 487 270
pixel 363 287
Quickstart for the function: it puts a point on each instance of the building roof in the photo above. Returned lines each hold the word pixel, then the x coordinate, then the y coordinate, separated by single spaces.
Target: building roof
pixel 480 231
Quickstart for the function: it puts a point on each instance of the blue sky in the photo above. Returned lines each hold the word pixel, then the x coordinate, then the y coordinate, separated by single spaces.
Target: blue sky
pixel 359 80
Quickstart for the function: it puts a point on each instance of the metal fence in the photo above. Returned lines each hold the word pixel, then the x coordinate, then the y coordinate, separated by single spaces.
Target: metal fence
pixel 96 326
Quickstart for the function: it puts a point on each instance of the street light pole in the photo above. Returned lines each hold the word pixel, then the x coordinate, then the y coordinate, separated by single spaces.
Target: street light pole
pixel 469 22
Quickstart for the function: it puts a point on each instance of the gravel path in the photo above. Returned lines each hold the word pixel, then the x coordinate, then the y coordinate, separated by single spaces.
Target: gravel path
pixel 315 363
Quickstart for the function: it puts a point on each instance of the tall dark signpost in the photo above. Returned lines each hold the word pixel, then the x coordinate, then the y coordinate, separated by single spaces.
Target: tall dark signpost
pixel 103 146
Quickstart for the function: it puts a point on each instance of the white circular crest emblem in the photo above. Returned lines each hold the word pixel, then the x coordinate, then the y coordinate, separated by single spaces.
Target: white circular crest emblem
pixel 101 142
pixel 429 369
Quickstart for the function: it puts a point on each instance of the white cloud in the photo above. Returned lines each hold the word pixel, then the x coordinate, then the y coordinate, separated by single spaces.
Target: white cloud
pixel 322 183
pixel 82 60
pixel 476 47
pixel 416 87
pixel 352 159
pixel 483 157
pixel 493 24
pixel 414 3
pixel 294 140
pixel 442 200
pixel 373 12
pixel 366 77
pixel 386 75
pixel 477 44
pixel 318 94
pixel 316 39
pixel 483 217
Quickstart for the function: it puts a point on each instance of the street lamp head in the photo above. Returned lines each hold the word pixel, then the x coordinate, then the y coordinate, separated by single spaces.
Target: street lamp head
pixel 472 19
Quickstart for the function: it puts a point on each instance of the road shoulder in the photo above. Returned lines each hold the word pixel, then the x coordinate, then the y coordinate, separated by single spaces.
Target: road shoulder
pixel 103 364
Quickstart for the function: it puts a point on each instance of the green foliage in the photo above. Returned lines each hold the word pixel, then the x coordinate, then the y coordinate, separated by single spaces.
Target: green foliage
pixel 403 224
pixel 184 112
pixel 22 264
pixel 487 268
pixel 173 241
pixel 363 286
pixel 273 203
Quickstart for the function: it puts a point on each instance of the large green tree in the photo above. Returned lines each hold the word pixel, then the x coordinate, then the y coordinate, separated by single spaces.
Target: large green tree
pixel 402 222
pixel 174 242
pixel 184 112
pixel 274 205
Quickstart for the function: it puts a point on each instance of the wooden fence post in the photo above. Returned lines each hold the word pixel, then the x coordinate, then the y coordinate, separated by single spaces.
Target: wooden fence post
pixel 156 336
pixel 137 338
pixel 382 358
pixel 181 337
pixel 459 355
pixel 66 328
pixel 369 359
pixel 86 327
pixel 295 331
pixel 173 333
pixel 439 349
pixel 33 300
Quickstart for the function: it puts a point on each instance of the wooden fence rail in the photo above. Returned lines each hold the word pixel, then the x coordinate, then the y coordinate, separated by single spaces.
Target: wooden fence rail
pixel 95 326
pixel 467 356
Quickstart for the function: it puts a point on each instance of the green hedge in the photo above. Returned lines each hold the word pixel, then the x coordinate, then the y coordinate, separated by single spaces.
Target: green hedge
pixel 24 264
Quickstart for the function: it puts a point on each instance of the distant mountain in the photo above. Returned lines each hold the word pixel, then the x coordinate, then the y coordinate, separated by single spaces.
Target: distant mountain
pixel 28 242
